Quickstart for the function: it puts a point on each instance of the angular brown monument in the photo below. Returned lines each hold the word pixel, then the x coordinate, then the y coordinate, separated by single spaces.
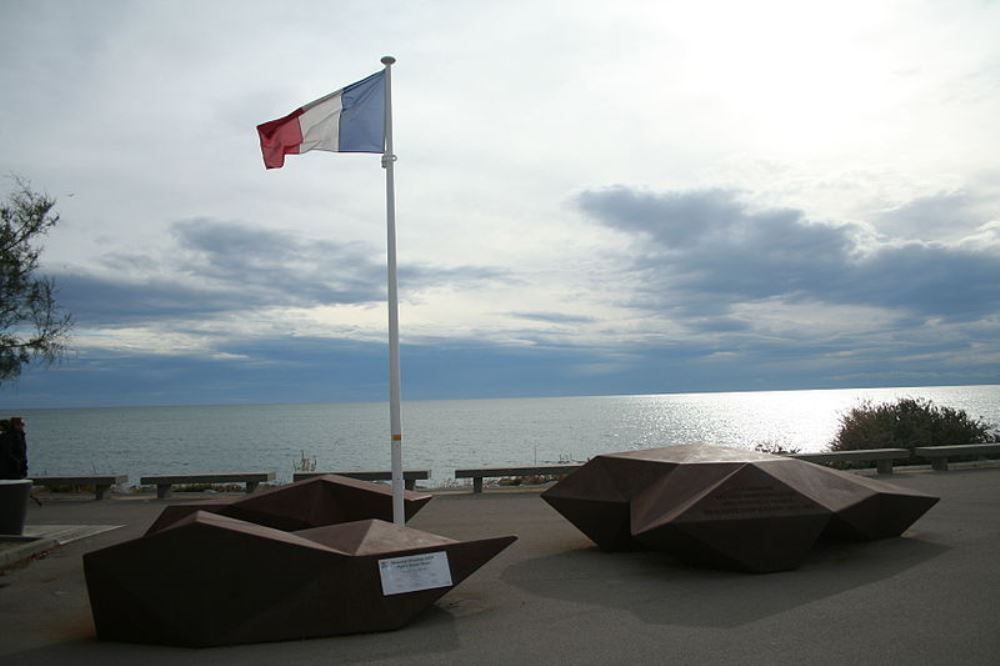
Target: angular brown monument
pixel 728 508
pixel 209 580
pixel 322 500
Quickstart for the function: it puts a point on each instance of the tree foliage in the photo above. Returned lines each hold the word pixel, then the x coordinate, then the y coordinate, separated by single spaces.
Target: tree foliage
pixel 908 423
pixel 32 326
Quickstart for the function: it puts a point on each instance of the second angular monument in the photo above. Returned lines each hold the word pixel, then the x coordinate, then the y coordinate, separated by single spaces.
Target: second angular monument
pixel 728 508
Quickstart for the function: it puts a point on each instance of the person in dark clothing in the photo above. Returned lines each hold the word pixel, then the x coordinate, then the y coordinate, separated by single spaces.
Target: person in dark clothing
pixel 7 467
pixel 20 447
pixel 13 449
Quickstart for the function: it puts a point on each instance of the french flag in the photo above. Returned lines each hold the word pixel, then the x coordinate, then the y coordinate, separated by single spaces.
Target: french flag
pixel 351 120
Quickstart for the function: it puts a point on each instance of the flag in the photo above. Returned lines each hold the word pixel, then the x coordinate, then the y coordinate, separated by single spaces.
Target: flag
pixel 351 120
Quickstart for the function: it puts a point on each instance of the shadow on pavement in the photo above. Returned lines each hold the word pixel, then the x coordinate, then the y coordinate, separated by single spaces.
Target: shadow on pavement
pixel 658 589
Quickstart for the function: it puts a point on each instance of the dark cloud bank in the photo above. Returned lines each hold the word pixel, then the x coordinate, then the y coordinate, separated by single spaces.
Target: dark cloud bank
pixel 698 257
pixel 219 267
pixel 708 247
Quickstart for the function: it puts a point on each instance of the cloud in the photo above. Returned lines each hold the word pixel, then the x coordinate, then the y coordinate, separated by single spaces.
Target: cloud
pixel 930 279
pixel 708 246
pixel 217 267
pixel 554 317
pixel 108 300
pixel 303 369
pixel 278 268
pixel 950 215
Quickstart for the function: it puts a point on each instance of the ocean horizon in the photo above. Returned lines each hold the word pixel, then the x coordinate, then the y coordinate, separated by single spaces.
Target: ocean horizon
pixel 443 435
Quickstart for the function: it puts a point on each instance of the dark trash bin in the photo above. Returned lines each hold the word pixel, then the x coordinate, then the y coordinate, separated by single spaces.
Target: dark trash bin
pixel 14 494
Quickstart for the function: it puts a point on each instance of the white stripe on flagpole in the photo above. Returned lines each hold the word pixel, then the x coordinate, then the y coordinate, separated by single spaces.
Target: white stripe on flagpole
pixel 395 425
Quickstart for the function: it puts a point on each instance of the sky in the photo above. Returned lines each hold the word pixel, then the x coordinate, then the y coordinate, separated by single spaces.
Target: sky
pixel 592 198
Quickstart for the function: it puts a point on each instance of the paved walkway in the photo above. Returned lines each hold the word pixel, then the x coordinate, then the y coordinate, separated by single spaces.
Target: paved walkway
pixel 932 597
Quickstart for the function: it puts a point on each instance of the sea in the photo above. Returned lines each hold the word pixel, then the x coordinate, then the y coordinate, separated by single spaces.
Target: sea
pixel 445 435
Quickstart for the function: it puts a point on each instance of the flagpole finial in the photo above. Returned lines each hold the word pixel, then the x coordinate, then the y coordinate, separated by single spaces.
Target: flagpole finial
pixel 388 60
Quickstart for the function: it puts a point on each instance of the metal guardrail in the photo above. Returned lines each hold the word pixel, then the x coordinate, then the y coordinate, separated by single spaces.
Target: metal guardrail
pixel 939 454
pixel 883 458
pixel 477 475
pixel 410 476
pixel 101 482
pixel 164 482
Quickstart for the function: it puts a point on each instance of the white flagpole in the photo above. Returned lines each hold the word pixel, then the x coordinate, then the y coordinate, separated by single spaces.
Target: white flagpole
pixel 395 425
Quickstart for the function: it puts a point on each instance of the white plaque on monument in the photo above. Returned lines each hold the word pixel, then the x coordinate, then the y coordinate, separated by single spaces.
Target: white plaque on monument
pixel 412 573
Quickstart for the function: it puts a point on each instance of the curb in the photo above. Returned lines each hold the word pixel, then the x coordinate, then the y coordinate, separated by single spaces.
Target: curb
pixel 15 554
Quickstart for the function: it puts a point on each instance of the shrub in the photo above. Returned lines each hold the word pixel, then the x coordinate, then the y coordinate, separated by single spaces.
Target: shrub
pixel 908 423
pixel 776 448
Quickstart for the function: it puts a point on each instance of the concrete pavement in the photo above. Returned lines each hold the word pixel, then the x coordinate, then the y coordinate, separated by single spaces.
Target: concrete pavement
pixel 931 597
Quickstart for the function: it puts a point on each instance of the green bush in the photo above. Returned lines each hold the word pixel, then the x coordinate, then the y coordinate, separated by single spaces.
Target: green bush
pixel 908 423
pixel 776 448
